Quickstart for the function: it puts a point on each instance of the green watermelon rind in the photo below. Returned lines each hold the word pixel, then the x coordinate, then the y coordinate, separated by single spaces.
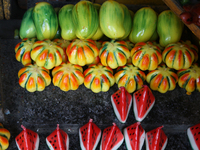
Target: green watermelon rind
pixel 191 139
pixel 127 141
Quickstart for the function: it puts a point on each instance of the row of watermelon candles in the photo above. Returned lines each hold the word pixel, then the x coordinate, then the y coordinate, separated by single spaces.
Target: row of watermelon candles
pixel 112 138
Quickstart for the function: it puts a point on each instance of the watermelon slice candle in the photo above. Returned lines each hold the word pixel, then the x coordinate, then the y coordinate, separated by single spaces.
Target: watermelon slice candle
pixel 156 139
pixel 112 138
pixel 134 136
pixel 89 135
pixel 143 101
pixel 121 102
pixel 58 140
pixel 194 136
pixel 27 140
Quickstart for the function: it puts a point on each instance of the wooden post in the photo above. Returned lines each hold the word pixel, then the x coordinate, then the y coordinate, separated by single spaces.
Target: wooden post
pixel 177 9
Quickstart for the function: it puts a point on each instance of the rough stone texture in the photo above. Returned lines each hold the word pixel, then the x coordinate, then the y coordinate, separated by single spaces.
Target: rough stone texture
pixel 41 111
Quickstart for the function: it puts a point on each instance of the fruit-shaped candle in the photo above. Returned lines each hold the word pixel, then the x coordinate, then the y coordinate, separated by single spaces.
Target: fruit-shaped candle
pixel 114 54
pixel 146 56
pixel 23 50
pixel 134 136
pixel 178 56
pixel 58 140
pixel 85 18
pixel 34 78
pixel 68 28
pixel 162 79
pixel 98 34
pixel 193 47
pixel 127 22
pixel 112 138
pixel 47 54
pixel 144 25
pixel 63 44
pixel 82 52
pixel 194 136
pixel 143 102
pixel 27 27
pixel 4 137
pixel 189 79
pixel 111 17
pixel 121 102
pixel 27 140
pixel 156 139
pixel 89 136
pixel 99 78
pixel 130 77
pixel 45 20
pixel 68 76
pixel 169 28
pixel 130 47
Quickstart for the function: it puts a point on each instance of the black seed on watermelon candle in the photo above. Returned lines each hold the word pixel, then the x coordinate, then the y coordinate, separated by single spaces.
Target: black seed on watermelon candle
pixel 196 139
pixel 114 97
pixel 195 134
pixel 197 127
pixel 192 128
pixel 55 147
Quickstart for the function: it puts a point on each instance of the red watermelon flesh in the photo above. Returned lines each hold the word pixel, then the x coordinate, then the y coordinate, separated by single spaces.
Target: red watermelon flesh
pixel 194 136
pixel 156 139
pixel 89 135
pixel 134 136
pixel 121 102
pixel 143 101
pixel 112 138
pixel 58 140
pixel 27 140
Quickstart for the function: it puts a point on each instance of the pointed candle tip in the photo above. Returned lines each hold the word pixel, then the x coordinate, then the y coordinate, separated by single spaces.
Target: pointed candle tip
pixel 23 127
pixel 138 123
pixel 57 126
pixel 114 124
pixel 90 120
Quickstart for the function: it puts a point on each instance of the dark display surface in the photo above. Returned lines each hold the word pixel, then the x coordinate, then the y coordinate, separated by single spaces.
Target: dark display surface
pixel 41 111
